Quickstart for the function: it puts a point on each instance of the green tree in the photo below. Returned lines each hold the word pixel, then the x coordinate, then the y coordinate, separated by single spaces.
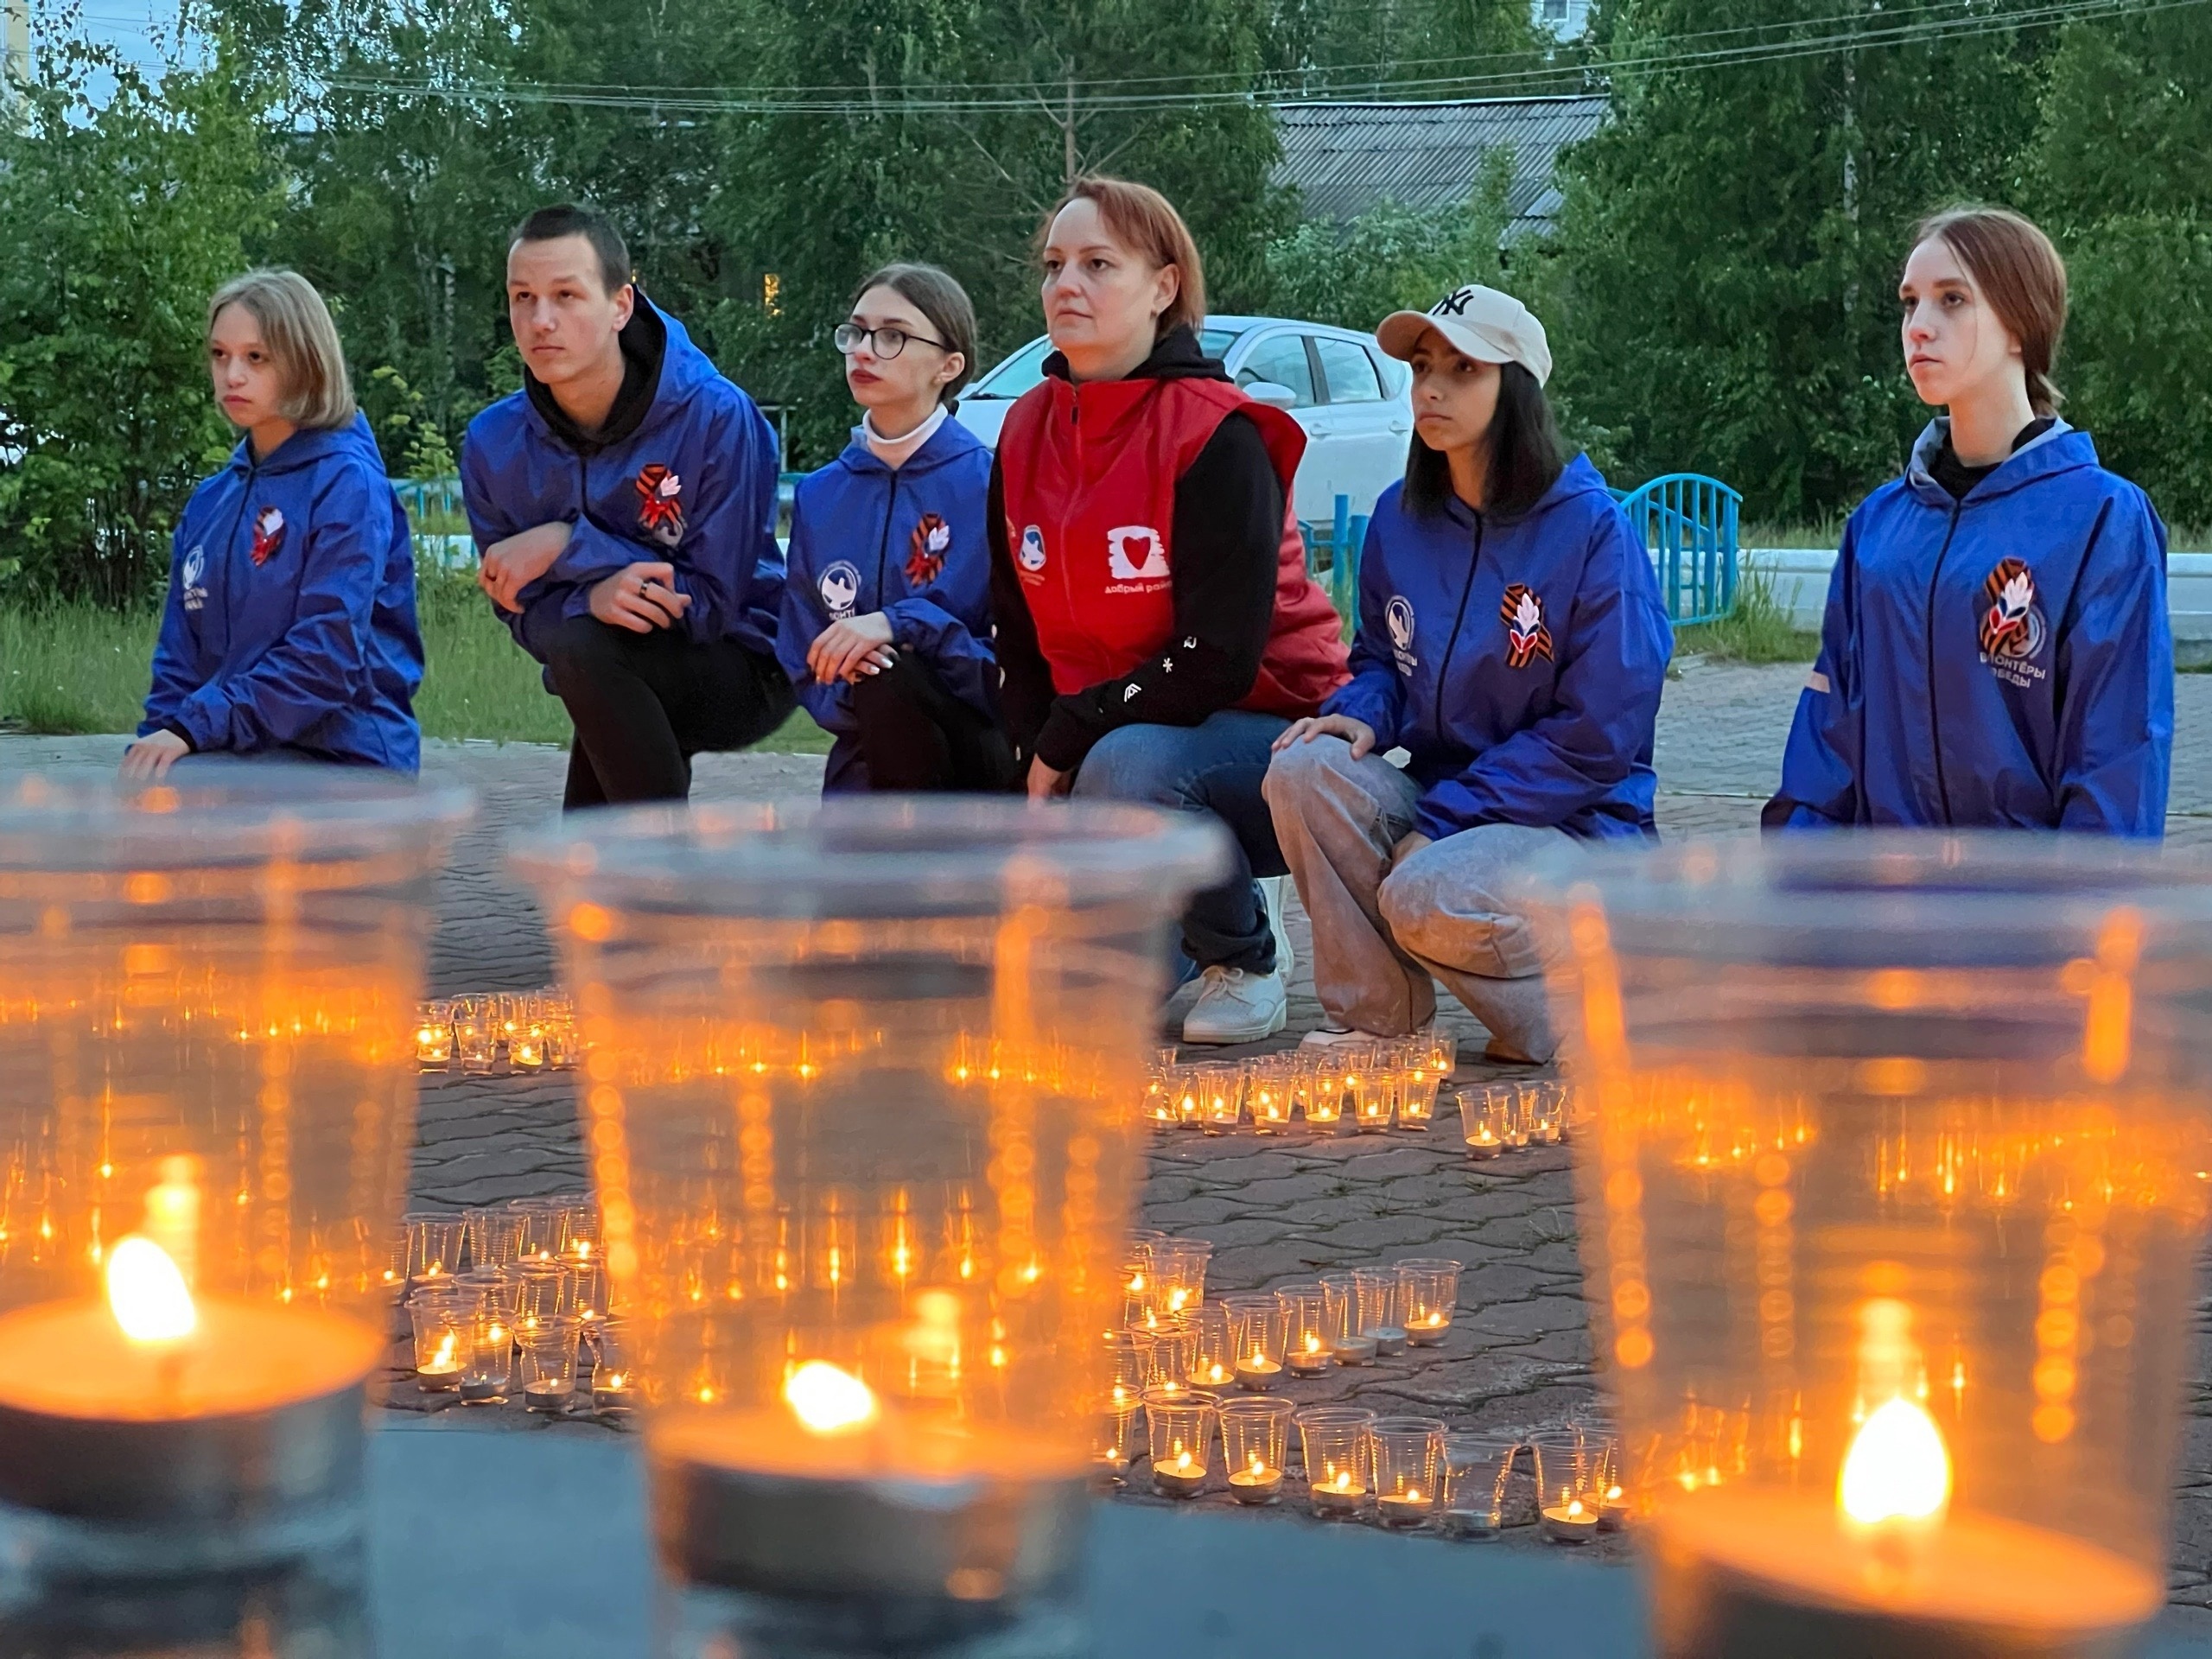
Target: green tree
pixel 2123 185
pixel 1394 258
pixel 1720 296
pixel 124 214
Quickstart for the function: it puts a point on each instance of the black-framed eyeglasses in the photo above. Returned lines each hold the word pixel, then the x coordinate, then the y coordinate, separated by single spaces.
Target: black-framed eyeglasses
pixel 884 342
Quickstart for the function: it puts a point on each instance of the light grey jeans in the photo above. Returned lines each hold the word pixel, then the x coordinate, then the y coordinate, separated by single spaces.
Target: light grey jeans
pixel 1378 938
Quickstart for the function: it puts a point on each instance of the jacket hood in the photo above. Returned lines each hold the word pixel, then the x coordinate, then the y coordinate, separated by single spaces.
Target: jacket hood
pixel 2061 450
pixel 1578 479
pixel 1177 357
pixel 946 445
pixel 311 445
pixel 661 368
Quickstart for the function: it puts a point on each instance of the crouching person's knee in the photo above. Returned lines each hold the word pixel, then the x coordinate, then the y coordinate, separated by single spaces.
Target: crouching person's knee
pixel 1297 773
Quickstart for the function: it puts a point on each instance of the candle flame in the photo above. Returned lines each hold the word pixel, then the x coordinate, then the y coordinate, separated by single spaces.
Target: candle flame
pixel 1183 1463
pixel 147 1292
pixel 827 1400
pixel 443 1358
pixel 617 1380
pixel 1896 1469
pixel 1259 1464
pixel 1343 1481
pixel 1574 1508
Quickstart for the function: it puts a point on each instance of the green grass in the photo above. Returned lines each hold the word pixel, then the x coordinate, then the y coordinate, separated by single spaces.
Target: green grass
pixel 1757 631
pixel 75 667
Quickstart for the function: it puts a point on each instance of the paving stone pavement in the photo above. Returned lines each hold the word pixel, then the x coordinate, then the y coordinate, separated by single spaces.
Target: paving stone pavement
pixel 1277 1209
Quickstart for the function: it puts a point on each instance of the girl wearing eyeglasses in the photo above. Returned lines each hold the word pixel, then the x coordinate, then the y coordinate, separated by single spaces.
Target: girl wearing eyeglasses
pixel 886 629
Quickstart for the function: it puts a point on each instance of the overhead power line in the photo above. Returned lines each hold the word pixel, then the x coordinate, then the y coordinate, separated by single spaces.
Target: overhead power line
pixel 1866 32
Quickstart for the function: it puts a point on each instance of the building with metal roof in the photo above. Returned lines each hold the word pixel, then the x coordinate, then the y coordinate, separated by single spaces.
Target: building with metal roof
pixel 1344 158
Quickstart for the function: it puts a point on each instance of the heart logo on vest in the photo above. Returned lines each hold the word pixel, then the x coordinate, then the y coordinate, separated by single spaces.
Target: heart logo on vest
pixel 1136 553
pixel 840 588
pixel 268 534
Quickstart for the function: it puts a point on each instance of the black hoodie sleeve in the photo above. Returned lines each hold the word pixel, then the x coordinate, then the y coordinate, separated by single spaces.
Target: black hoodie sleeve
pixel 1025 682
pixel 1224 543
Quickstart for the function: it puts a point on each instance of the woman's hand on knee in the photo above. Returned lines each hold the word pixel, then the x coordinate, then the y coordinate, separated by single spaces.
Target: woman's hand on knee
pixel 857 645
pixel 1045 782
pixel 151 756
pixel 1358 733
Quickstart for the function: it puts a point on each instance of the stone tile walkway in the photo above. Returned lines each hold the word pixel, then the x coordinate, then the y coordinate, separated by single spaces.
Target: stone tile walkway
pixel 1276 1208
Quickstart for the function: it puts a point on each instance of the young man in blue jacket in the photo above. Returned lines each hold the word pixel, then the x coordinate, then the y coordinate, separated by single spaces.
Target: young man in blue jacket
pixel 1512 641
pixel 623 503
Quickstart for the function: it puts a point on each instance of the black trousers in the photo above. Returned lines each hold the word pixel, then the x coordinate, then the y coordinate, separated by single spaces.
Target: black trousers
pixel 644 703
pixel 916 736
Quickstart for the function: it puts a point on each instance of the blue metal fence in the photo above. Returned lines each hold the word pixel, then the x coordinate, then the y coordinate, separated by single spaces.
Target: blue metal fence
pixel 1686 521
pixel 1334 549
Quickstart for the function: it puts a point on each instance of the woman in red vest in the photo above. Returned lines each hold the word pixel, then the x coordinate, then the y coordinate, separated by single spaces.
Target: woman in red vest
pixel 1155 625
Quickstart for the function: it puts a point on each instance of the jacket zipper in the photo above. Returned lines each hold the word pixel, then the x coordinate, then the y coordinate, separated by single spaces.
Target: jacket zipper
pixel 890 509
pixel 1444 668
pixel 1935 723
pixel 229 543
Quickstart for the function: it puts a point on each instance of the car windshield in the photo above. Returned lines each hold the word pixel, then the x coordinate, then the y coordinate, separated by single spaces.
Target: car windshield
pixel 1026 366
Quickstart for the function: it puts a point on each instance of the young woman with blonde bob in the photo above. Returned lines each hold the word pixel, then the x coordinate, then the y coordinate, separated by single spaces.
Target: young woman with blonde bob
pixel 290 630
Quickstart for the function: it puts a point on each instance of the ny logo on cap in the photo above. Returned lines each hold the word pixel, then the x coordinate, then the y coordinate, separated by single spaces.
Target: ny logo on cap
pixel 1454 304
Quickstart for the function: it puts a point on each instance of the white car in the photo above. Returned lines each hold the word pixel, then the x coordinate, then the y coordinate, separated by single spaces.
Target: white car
pixel 1352 401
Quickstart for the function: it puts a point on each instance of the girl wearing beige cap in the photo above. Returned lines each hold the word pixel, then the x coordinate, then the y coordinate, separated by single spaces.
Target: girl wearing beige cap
pixel 1512 641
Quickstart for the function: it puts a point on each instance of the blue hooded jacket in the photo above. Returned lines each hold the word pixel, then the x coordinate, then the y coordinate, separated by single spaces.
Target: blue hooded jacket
pixel 2002 661
pixel 1518 660
pixel 290 620
pixel 693 487
pixel 910 543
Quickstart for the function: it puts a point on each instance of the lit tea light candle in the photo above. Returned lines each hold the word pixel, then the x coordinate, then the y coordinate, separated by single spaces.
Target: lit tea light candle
pixel 433 1045
pixel 150 1391
pixel 1257 1373
pixel 1484 1143
pixel 1407 1509
pixel 1310 1358
pixel 1183 1477
pixel 1427 1330
pixel 614 1391
pixel 1340 1493
pixel 548 1393
pixel 441 1372
pixel 1258 1483
pixel 1614 1510
pixel 1570 1521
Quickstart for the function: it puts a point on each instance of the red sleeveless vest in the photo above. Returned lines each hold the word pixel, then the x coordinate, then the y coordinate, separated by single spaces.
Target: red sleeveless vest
pixel 1089 475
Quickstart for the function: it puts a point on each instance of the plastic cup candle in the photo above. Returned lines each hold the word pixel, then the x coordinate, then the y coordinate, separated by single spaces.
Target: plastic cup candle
pixel 1476 1469
pixel 1213 1359
pixel 1256 1337
pixel 1418 1081
pixel 1347 1345
pixel 1269 1092
pixel 1889 1161
pixel 1377 1310
pixel 1324 1091
pixel 1220 1086
pixel 445 1337
pixel 1117 1442
pixel 1255 1441
pixel 434 1036
pixel 1371 1080
pixel 847 1433
pixel 1180 1429
pixel 1334 1442
pixel 1482 1117
pixel 1428 1293
pixel 1307 1350
pixel 1406 1454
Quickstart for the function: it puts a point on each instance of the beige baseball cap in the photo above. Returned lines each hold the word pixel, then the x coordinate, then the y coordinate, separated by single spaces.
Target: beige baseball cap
pixel 1480 322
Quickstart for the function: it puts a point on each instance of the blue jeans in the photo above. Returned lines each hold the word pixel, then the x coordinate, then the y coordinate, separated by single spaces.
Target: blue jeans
pixel 1215 766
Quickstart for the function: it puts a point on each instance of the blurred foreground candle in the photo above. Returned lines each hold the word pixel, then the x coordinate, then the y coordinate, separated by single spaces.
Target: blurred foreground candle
pixel 888 1451
pixel 1888 1153
pixel 208 1005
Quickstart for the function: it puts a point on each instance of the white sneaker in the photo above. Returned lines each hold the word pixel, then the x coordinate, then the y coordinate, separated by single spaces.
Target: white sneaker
pixel 1272 888
pixel 1235 1006
pixel 1329 1034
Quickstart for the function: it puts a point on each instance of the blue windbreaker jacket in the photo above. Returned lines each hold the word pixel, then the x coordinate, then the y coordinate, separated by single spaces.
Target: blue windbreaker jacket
pixel 910 543
pixel 2003 661
pixel 1518 660
pixel 693 487
pixel 290 620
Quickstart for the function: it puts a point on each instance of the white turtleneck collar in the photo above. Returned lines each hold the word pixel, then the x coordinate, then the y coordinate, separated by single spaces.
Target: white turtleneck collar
pixel 894 452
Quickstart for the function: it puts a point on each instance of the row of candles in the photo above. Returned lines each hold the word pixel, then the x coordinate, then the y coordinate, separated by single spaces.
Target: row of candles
pixel 534 1031
pixel 1373 1086
pixel 1400 1471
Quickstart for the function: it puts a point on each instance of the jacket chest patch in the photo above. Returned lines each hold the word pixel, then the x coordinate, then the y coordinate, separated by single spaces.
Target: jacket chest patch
pixel 1136 559
pixel 660 504
pixel 926 551
pixel 840 588
pixel 193 577
pixel 1398 617
pixel 268 535
pixel 2013 632
pixel 1526 636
